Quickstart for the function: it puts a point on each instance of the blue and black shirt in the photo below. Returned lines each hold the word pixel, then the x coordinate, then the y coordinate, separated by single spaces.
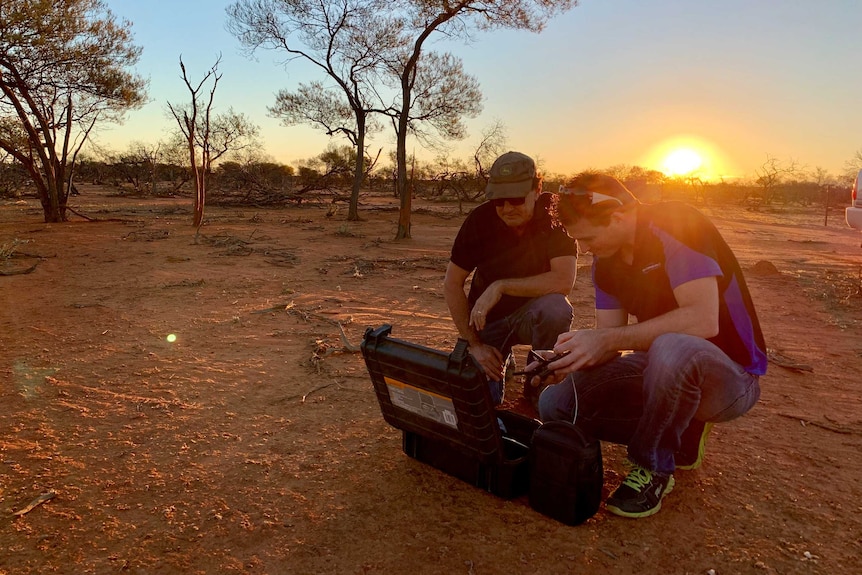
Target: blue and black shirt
pixel 675 244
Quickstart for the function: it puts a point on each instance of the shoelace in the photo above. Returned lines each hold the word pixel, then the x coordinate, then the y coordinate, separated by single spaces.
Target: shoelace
pixel 638 478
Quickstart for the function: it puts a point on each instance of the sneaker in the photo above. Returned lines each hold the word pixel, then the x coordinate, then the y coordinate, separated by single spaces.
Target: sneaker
pixel 640 494
pixel 693 445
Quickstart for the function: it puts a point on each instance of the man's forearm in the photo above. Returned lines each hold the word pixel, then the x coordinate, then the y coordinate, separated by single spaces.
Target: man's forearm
pixel 460 312
pixel 696 315
pixel 534 286
pixel 559 279
pixel 639 336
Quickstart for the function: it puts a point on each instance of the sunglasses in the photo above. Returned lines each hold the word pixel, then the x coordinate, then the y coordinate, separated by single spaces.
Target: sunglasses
pixel 515 202
pixel 594 197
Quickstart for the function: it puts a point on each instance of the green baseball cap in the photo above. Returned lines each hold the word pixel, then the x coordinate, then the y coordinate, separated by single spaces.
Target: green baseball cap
pixel 511 176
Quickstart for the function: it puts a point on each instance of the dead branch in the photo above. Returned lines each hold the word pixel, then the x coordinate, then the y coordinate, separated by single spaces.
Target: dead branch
pixel 79 214
pixel 35 503
pixel 347 345
pixel 19 272
pixel 27 255
pixel 279 307
pixel 782 360
pixel 318 388
pixel 291 308
pixel 843 429
pixel 147 235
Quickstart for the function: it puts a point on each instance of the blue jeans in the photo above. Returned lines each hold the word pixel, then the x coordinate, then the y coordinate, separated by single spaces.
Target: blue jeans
pixel 646 400
pixel 537 323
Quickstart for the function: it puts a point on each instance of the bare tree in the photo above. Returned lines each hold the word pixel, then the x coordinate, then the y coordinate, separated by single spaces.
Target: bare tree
pixel 467 180
pixel 771 173
pixel 64 66
pixel 346 40
pixel 12 176
pixel 492 144
pixel 138 165
pixel 455 19
pixel 853 165
pixel 252 177
pixel 187 119
pixel 208 137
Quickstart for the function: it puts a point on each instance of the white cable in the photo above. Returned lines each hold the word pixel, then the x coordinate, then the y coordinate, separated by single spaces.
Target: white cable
pixel 575 393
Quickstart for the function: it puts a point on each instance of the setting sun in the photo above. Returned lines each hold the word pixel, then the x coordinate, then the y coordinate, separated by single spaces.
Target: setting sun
pixel 682 162
pixel 687 155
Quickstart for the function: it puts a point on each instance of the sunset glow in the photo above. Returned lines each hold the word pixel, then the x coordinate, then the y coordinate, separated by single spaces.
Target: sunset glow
pixel 687 156
pixel 671 82
pixel 682 162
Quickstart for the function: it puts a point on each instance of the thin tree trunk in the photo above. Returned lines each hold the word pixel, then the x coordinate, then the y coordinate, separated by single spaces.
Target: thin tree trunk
pixel 200 196
pixel 359 173
pixel 401 162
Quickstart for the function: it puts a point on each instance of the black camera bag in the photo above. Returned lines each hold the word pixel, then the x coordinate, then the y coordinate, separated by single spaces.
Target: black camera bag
pixel 566 473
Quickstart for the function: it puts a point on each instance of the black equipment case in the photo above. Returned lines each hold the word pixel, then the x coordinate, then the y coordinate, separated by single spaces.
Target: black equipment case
pixel 442 404
pixel 565 473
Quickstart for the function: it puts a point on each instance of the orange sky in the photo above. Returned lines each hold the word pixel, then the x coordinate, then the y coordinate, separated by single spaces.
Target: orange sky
pixel 609 83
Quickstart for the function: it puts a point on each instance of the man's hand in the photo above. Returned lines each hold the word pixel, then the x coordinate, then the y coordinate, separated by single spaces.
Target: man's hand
pixel 538 371
pixel 582 348
pixel 483 306
pixel 697 315
pixel 490 358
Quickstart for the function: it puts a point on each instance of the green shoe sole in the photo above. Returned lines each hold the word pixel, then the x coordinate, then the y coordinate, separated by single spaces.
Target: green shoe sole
pixel 646 512
pixel 701 449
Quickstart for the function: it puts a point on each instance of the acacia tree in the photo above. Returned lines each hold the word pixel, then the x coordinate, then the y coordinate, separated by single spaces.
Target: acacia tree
pixel 64 66
pixel 492 144
pixel 454 18
pixel 442 95
pixel 208 137
pixel 853 165
pixel 344 39
pixel 138 165
pixel 770 175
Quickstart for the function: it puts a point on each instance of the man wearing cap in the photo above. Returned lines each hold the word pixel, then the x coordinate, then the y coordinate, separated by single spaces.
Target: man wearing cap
pixel 524 265
pixel 694 356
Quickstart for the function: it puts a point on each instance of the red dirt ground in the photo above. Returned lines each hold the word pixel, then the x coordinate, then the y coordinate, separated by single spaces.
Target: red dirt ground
pixel 254 442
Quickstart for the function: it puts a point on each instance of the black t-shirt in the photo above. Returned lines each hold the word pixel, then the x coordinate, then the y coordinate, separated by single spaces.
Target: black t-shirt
pixel 486 244
pixel 675 244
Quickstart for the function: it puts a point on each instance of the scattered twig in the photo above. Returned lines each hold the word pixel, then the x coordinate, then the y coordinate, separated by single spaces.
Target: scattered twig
pixel 52 334
pixel 842 429
pixel 610 554
pixel 79 214
pixel 185 283
pixel 19 272
pixel 147 235
pixel 36 503
pixel 29 255
pixel 318 388
pixel 292 308
pixel 347 345
pixel 279 307
pixel 8 250
pixel 302 398
pixel 782 360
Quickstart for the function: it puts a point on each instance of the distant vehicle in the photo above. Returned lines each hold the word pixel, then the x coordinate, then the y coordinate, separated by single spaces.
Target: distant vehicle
pixel 853 214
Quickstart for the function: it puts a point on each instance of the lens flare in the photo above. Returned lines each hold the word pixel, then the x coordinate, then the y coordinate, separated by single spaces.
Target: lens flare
pixel 172 337
pixel 682 162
